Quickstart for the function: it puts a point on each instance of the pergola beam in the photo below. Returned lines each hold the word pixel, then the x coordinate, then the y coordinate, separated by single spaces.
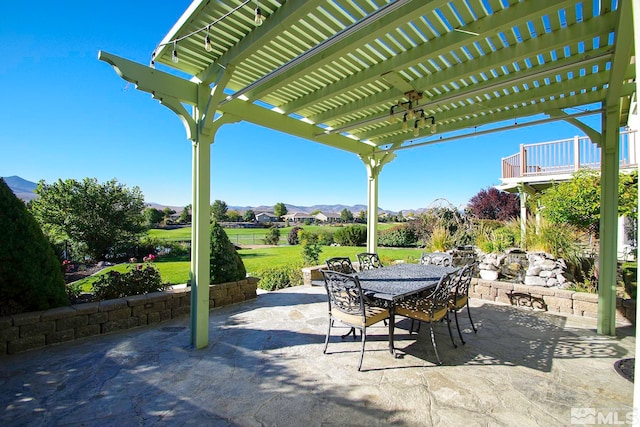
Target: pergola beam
pixel 492 60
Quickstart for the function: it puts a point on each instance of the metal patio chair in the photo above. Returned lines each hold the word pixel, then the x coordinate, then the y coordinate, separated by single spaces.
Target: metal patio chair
pixel 436 258
pixel 460 296
pixel 341 264
pixel 348 305
pixel 368 261
pixel 431 308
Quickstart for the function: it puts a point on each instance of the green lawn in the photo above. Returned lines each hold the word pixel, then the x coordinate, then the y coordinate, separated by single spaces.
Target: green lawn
pixel 247 236
pixel 175 270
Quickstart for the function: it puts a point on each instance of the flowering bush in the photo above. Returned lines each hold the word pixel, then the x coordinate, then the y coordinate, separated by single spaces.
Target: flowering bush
pixel 68 266
pixel 142 279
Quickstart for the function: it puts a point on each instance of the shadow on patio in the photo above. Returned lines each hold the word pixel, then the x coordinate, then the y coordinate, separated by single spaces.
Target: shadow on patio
pixel 264 366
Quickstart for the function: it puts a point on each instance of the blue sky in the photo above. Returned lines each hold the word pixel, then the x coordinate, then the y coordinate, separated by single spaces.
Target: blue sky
pixel 65 114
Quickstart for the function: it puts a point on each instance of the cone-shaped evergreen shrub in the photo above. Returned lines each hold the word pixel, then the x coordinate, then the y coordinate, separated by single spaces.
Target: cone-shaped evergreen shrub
pixel 30 273
pixel 225 263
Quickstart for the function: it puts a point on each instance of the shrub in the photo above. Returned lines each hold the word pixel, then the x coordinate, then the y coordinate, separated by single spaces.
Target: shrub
pixel 561 242
pixel 325 238
pixel 225 264
pixel 629 272
pixel 139 279
pixel 272 237
pixel 149 245
pixel 30 274
pixel 440 239
pixel 280 277
pixel 399 236
pixel 351 235
pixel 293 236
pixel 311 248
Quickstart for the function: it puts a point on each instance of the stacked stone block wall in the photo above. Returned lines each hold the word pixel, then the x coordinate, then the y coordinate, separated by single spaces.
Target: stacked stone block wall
pixel 556 300
pixel 27 331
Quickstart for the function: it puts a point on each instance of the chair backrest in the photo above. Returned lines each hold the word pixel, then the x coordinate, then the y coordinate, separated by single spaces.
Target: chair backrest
pixel 368 261
pixel 436 258
pixel 341 264
pixel 344 292
pixel 441 296
pixel 463 280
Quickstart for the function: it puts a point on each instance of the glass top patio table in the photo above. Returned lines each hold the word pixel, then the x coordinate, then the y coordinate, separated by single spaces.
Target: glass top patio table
pixel 393 283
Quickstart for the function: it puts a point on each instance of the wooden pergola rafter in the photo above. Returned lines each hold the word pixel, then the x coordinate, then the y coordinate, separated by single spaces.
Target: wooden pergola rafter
pixel 334 71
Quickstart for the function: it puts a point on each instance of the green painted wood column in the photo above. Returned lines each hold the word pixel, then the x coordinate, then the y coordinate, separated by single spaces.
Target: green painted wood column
pixel 608 221
pixel 372 208
pixel 200 244
pixel 374 164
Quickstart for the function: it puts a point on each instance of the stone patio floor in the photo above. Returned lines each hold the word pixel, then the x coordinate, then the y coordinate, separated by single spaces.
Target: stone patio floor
pixel 264 367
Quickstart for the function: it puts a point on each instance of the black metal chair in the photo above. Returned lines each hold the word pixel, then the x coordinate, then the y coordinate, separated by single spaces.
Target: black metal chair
pixel 431 308
pixel 348 305
pixel 460 295
pixel 341 264
pixel 368 261
pixel 436 258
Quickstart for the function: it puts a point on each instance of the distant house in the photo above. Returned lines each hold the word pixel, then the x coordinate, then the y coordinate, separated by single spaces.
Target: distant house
pixel 266 217
pixel 329 217
pixel 298 217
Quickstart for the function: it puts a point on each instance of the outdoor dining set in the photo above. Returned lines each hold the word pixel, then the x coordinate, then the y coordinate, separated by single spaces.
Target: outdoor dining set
pixel 425 292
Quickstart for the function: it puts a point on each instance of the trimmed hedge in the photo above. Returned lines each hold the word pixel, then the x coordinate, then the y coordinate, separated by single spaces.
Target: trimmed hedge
pixel 30 273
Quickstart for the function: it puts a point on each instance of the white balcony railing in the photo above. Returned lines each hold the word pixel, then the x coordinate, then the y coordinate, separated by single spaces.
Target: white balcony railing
pixel 565 156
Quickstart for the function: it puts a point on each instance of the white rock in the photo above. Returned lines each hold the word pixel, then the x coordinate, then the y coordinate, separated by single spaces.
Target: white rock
pixel 534 281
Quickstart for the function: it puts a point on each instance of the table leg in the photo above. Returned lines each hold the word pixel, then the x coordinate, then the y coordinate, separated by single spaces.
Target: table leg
pixel 392 324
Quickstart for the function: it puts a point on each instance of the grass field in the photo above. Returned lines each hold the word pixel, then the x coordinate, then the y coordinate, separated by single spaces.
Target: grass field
pixel 175 270
pixel 242 236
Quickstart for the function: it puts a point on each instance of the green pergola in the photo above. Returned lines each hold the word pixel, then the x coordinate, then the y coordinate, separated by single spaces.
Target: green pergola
pixel 372 76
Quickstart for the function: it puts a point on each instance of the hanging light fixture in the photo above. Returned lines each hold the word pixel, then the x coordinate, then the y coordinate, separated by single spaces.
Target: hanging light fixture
pixel 207 41
pixel 258 17
pixel 404 122
pixel 416 128
pixel 174 54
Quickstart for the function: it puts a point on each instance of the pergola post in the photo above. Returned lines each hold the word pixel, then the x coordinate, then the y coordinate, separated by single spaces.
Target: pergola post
pixel 200 244
pixel 372 208
pixel 374 164
pixel 174 92
pixel 608 221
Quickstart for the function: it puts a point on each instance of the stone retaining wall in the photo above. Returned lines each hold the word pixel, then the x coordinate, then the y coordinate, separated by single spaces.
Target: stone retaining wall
pixel 554 300
pixel 26 331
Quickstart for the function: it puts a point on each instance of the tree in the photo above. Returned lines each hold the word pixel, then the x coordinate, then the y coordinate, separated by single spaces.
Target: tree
pixel 167 212
pixel 152 216
pixel 294 238
pixel 272 237
pixel 495 204
pixel 346 215
pixel 249 216
pixel 185 215
pixel 362 216
pixel 233 216
pixel 99 218
pixel 219 210
pixel 577 202
pixel 279 210
pixel 30 273
pixel 225 265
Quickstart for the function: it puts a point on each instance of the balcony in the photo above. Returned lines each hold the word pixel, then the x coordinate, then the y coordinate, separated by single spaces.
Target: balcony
pixel 545 162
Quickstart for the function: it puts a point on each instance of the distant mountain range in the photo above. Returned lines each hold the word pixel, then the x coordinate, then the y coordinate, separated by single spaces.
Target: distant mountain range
pixel 24 190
